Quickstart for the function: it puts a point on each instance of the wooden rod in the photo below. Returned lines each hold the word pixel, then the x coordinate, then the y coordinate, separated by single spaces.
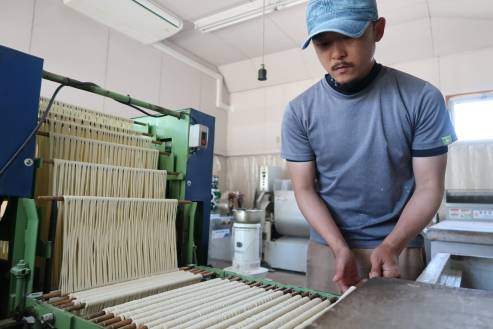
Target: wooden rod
pixel 56 293
pixel 171 173
pixel 63 301
pixel 120 324
pixel 103 318
pixel 130 326
pixel 95 315
pixel 47 134
pixel 76 307
pixel 62 199
pixel 64 306
pixel 111 321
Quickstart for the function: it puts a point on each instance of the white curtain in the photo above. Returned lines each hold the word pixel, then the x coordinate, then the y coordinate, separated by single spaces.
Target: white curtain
pixel 470 166
pixel 219 168
pixel 243 173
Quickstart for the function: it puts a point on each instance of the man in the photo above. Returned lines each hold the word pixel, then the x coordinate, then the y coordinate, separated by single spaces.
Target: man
pixel 366 150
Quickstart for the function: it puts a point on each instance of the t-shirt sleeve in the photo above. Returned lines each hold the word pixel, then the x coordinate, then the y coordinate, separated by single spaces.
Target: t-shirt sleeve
pixel 295 145
pixel 433 129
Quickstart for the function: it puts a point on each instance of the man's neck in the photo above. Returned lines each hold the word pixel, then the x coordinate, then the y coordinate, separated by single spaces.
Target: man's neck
pixel 357 85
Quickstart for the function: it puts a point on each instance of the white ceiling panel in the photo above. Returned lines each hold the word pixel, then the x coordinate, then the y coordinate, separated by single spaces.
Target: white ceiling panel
pixel 453 35
pixel 208 47
pixel 247 37
pixel 402 11
pixel 405 42
pixel 416 30
pixel 292 22
pixel 460 8
pixel 192 9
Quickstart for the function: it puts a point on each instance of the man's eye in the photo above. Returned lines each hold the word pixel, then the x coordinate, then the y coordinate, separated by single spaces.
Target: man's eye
pixel 323 44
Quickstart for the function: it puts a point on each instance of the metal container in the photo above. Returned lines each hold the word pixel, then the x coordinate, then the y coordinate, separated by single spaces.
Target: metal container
pixel 249 216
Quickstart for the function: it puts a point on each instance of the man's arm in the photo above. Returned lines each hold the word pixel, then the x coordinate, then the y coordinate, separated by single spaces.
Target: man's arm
pixel 429 173
pixel 319 217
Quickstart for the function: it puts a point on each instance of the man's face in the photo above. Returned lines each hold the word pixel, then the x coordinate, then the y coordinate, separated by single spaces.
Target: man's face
pixel 347 59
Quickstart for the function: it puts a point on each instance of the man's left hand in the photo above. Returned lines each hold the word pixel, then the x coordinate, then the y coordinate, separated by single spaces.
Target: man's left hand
pixel 384 262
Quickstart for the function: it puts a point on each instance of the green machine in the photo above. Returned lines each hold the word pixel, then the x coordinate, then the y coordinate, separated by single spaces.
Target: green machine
pixel 184 138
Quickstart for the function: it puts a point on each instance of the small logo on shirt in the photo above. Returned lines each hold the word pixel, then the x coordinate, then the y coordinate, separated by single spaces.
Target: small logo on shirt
pixel 446 140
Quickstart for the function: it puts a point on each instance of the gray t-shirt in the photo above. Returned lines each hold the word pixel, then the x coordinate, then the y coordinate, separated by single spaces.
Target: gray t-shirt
pixel 363 146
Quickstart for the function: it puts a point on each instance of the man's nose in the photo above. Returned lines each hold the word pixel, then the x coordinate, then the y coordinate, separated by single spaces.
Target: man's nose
pixel 338 50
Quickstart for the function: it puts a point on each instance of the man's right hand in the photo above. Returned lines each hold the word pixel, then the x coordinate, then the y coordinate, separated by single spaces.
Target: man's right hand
pixel 346 269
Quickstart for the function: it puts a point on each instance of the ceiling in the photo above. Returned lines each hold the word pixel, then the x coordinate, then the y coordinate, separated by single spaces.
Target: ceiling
pixel 285 29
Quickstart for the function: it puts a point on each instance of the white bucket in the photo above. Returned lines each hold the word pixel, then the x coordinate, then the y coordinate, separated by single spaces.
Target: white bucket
pixel 247 247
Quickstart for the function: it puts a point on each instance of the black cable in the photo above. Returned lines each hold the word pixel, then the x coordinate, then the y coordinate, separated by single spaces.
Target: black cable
pixel 139 109
pixel 32 134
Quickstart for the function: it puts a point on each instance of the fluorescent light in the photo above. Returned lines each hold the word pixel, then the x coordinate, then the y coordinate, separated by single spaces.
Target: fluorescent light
pixel 242 13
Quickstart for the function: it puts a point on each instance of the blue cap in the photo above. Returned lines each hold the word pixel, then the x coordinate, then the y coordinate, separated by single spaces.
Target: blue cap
pixel 348 17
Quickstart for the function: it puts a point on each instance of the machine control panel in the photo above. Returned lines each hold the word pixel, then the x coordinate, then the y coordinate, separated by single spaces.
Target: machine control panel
pixel 198 137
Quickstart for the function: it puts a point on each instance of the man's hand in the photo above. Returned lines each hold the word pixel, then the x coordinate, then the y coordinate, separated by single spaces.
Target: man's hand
pixel 384 262
pixel 346 269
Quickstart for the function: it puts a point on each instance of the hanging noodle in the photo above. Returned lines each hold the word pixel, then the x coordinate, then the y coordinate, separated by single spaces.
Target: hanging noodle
pixel 108 240
pixel 77 113
pixel 104 135
pixel 87 150
pixel 89 179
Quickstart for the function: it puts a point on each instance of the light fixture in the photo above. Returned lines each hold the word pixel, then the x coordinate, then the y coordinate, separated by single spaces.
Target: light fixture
pixel 242 13
pixel 262 72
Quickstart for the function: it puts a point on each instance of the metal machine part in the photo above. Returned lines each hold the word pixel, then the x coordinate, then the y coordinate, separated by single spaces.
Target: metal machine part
pixel 288 251
pixel 289 220
pixel 459 272
pixel 249 216
pixel 268 175
pixel 469 204
pixel 460 237
pixel 394 303
pixel 20 85
pixel 220 243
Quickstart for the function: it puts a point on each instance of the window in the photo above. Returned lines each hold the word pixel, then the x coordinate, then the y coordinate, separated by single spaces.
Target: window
pixel 472 116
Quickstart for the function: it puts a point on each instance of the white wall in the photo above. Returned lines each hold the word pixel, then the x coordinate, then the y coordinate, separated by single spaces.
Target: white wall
pixel 76 46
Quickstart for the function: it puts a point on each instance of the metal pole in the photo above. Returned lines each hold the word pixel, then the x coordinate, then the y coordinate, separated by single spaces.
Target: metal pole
pixel 95 89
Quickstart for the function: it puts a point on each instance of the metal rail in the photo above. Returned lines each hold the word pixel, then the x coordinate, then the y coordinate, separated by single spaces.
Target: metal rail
pixel 95 89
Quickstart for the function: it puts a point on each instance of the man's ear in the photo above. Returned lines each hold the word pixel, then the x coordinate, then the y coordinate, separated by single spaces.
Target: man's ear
pixel 379 29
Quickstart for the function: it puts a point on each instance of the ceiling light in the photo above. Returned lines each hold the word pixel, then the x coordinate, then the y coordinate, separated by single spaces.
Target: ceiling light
pixel 242 13
pixel 262 72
